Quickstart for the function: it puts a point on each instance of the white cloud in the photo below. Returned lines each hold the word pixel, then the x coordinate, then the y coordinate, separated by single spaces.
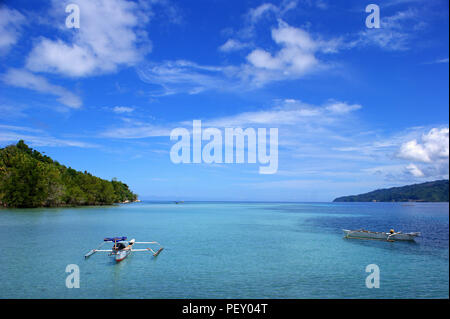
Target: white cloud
pixel 296 57
pixel 265 11
pixel 122 109
pixel 28 80
pixel 19 128
pixel 321 4
pixel 442 60
pixel 59 57
pixel 434 146
pixel 111 34
pixel 294 37
pixel 395 32
pixel 10 111
pixel 286 112
pixel 438 61
pixel 262 59
pixel 431 154
pixel 340 107
pixel 184 77
pixel 169 12
pixel 233 45
pixel 11 22
pixel 424 149
pixel 297 54
pixel 255 14
pixel 414 170
pixel 413 151
pixel 136 130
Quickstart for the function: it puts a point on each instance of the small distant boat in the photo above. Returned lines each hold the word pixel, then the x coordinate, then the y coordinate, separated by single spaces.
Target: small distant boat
pixel 122 248
pixel 390 236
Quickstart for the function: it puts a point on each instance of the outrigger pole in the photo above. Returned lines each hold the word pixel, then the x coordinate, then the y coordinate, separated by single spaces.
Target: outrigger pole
pixel 93 251
pixel 146 249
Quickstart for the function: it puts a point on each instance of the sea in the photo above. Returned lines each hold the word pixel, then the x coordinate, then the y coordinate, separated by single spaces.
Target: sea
pixel 226 250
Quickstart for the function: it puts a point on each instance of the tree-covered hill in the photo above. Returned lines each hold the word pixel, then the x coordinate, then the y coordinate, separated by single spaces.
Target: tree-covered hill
pixel 30 179
pixel 437 191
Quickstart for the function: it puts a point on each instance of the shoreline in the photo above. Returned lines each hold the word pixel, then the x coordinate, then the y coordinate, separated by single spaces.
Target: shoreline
pixel 224 202
pixel 129 202
pixel 3 206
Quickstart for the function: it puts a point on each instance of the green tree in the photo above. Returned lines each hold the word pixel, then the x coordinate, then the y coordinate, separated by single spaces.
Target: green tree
pixel 30 179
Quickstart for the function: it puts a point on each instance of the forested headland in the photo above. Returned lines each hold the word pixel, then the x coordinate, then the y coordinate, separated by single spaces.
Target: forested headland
pixel 436 191
pixel 30 179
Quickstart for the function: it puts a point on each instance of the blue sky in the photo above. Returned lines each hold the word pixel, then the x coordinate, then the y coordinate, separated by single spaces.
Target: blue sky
pixel 356 108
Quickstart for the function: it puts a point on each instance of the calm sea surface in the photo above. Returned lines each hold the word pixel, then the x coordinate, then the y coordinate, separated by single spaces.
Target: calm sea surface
pixel 226 250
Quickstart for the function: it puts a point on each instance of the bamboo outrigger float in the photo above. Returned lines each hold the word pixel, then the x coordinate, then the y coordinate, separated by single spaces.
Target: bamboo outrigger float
pixel 123 248
pixel 390 236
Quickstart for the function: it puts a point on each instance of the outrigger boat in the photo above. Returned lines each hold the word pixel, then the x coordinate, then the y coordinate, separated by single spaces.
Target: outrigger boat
pixel 122 248
pixel 390 236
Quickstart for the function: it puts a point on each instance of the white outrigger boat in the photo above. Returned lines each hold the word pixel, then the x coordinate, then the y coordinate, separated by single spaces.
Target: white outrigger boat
pixel 390 236
pixel 123 248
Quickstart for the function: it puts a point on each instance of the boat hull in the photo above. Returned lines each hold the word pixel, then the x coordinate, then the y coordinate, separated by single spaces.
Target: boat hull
pixel 122 254
pixel 365 234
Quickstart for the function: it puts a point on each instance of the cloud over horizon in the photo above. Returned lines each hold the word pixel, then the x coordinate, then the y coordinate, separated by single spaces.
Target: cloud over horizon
pixel 430 154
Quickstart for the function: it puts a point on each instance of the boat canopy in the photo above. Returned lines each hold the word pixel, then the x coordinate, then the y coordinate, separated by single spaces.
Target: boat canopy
pixel 115 239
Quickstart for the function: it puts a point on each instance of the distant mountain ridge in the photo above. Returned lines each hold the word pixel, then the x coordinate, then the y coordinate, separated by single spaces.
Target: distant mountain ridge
pixel 436 191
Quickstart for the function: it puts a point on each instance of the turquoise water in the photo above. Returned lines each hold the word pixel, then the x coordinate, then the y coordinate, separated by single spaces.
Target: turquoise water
pixel 226 250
